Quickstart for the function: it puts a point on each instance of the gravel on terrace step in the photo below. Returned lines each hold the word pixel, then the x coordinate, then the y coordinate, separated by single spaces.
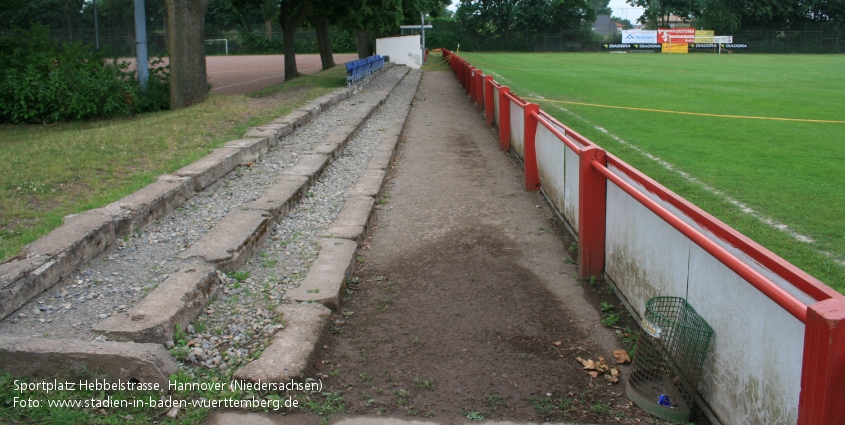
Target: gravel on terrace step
pixel 240 322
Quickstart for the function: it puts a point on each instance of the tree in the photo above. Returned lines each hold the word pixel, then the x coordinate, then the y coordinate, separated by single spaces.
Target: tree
pixel 58 15
pixel 368 18
pixel 657 12
pixel 269 10
pixel 411 9
pixel 722 16
pixel 488 17
pixel 626 24
pixel 186 43
pixel 324 13
pixel 601 7
pixel 291 15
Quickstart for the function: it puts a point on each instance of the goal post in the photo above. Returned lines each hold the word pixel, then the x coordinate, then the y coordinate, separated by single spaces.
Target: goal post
pixel 217 40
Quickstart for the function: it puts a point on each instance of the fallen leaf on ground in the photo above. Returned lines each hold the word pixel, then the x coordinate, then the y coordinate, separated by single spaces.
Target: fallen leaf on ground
pixel 589 364
pixel 602 365
pixel 621 356
pixel 612 376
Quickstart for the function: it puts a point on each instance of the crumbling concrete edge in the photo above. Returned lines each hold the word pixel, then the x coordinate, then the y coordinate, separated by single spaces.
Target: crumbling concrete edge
pixel 292 351
pixel 128 362
pixel 176 301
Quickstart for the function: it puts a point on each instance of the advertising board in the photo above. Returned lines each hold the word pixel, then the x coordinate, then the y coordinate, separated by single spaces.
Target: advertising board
pixel 704 36
pixel 639 36
pixel 677 35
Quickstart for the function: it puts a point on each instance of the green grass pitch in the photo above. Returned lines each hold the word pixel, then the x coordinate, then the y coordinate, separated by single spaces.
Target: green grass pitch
pixel 789 172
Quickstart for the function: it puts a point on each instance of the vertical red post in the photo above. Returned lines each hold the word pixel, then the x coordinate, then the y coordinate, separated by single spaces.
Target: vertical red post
pixel 532 175
pixel 592 211
pixel 473 89
pixel 479 91
pixel 459 70
pixel 489 106
pixel 504 119
pixel 468 80
pixel 822 399
pixel 473 92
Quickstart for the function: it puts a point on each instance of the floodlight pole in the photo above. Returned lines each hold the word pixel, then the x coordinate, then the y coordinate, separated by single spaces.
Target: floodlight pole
pixel 141 44
pixel 422 31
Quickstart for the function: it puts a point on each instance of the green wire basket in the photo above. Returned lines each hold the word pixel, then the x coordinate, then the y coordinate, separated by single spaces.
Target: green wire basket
pixel 670 354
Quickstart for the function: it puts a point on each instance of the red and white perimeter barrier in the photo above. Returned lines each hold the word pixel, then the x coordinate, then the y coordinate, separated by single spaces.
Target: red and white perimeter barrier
pixel 778 350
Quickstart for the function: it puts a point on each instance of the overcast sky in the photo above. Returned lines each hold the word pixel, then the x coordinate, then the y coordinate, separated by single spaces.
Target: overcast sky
pixel 619 7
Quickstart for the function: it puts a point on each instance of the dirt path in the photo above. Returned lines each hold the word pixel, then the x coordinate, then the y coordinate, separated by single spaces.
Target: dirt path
pixel 465 304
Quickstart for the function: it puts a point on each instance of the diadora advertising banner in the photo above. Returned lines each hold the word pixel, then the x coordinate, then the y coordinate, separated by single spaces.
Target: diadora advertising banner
pixel 639 36
pixel 677 35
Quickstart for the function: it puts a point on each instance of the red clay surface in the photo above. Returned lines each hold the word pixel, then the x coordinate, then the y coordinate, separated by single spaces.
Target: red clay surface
pixel 246 74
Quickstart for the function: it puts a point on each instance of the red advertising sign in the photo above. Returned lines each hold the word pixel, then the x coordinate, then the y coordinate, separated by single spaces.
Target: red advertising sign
pixel 676 35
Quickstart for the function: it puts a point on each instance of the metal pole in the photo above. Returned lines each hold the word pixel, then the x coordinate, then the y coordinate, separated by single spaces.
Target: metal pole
pixel 96 29
pixel 141 44
pixel 422 31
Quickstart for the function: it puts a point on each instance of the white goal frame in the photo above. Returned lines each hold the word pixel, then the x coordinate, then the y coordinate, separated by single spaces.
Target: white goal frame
pixel 223 40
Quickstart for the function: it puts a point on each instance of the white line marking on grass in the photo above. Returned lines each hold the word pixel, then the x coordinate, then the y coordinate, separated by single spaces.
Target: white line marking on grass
pixel 742 206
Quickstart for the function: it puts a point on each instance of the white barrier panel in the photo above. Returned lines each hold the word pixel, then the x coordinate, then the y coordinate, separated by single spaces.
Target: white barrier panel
pixel 517 129
pixel 645 256
pixel 551 165
pixel 752 374
pixel 568 206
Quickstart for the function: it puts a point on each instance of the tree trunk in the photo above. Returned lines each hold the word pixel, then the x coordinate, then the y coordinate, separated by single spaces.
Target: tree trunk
pixel 268 28
pixel 186 43
pixel 288 33
pixel 321 26
pixel 290 17
pixel 364 41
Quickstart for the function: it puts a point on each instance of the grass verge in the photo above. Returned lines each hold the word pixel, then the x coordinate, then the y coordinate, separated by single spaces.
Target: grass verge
pixel 70 168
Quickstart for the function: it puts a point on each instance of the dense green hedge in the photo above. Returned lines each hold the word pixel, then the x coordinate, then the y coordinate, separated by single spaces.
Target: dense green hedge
pixel 44 81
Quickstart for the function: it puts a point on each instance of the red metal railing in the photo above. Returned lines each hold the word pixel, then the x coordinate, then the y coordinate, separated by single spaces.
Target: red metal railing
pixel 823 364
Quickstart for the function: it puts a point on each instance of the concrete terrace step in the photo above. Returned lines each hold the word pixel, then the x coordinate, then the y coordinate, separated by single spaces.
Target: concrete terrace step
pixel 328 274
pixel 42 358
pixel 292 349
pixel 177 299
pixel 326 279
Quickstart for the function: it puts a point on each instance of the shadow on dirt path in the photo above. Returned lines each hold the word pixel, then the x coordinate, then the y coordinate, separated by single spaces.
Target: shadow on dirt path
pixel 464 304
